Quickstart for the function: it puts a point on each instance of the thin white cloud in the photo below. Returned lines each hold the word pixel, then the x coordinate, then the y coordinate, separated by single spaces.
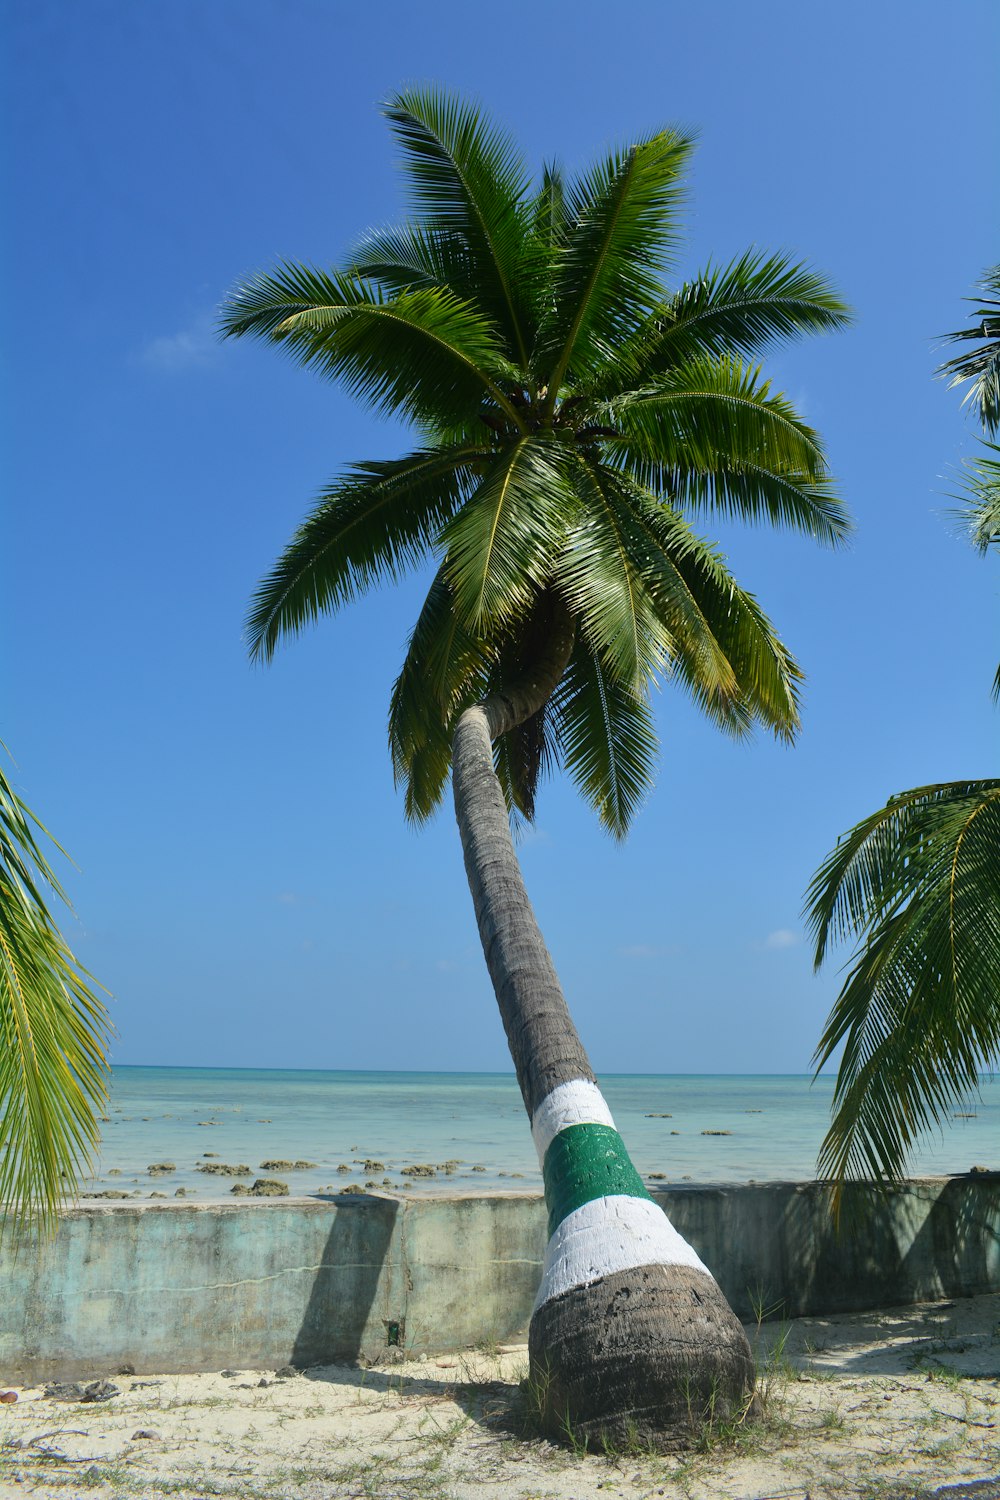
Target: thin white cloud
pixel 191 348
pixel 782 937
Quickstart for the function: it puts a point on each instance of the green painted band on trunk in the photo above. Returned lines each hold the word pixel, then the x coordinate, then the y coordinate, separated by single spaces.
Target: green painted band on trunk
pixel 585 1162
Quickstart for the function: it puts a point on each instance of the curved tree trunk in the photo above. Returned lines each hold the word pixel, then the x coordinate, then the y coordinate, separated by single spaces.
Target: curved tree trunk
pixel 631 1336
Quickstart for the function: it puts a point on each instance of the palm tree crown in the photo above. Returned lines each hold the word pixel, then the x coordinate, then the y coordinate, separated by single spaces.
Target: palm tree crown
pixel 570 410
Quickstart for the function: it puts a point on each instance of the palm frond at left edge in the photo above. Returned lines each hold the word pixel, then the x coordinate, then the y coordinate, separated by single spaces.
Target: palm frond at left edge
pixel 53 1034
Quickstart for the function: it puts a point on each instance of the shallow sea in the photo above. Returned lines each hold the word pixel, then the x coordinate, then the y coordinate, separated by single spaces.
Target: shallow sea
pixel 471 1129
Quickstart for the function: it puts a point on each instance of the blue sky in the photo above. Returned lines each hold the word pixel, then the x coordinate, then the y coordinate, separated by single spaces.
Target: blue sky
pixel 247 886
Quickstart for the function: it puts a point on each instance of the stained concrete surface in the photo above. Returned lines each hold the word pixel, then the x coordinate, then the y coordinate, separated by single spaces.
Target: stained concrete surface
pixel 183 1287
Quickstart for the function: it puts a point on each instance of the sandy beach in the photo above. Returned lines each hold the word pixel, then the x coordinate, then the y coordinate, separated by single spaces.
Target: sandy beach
pixel 877 1406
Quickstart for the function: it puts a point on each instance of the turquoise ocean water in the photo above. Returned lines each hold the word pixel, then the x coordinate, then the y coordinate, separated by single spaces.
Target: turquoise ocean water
pixel 773 1127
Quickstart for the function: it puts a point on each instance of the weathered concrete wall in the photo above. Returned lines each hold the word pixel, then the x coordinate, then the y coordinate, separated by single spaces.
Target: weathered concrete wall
pixel 181 1286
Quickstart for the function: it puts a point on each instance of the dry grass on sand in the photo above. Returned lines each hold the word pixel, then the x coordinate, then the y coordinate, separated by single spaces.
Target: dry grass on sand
pixel 878 1406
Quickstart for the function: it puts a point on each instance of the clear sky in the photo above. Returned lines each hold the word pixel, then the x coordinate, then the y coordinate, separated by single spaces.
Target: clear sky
pixel 247 886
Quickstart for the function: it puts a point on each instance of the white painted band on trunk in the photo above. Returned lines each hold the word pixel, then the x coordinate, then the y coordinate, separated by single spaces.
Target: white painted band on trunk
pixel 608 1235
pixel 575 1103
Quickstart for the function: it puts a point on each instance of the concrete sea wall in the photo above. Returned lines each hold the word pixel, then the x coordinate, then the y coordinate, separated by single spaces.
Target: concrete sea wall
pixel 172 1287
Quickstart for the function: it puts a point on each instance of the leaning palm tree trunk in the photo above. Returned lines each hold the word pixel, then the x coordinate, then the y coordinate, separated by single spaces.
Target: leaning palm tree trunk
pixel 630 1334
pixel 528 333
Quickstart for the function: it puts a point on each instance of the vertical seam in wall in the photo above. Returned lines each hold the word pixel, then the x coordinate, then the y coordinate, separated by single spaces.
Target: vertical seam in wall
pixel 403 1264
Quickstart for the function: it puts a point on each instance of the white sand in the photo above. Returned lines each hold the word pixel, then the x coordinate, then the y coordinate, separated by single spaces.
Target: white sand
pixel 868 1407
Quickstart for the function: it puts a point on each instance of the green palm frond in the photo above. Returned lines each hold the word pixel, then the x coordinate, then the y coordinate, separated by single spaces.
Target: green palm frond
pixel 606 738
pixel 468 178
pixel 521 758
pixel 263 303
pixel 53 1034
pixel 601 576
pixel 375 523
pixel 529 751
pixel 756 492
pixel 405 257
pixel 425 352
pixel 724 649
pixel 548 210
pixel 445 670
pixel 576 408
pixel 707 410
pixel 981 365
pixel 712 434
pixel 745 308
pixel 982 511
pixel 502 544
pixel 621 223
pixel 917 885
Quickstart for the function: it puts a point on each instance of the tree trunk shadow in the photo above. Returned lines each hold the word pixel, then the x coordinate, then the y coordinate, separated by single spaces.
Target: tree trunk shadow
pixel 357 1302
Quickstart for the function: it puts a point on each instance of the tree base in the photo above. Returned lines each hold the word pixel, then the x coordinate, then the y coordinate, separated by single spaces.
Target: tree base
pixel 644 1357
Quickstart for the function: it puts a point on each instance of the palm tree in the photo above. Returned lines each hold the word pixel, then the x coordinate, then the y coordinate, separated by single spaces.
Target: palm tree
pixel 981 365
pixel 570 410
pixel 917 884
pixel 982 509
pixel 917 887
pixel 53 1031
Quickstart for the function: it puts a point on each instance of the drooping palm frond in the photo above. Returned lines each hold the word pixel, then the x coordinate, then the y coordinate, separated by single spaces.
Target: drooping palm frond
pixel 445 669
pixel 372 525
pixel 712 435
pixel 53 1034
pixel 724 649
pixel 502 544
pixel 917 885
pixel 982 509
pixel 759 492
pixel 607 739
pixel 981 365
pixel 600 575
pixel 529 751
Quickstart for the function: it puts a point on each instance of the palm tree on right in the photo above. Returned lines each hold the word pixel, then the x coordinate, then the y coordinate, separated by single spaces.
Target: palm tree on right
pixel 917 885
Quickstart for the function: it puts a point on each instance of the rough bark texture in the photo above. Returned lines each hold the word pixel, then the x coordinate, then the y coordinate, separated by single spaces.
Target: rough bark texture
pixel 653 1350
pixel 650 1355
pixel 540 1032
